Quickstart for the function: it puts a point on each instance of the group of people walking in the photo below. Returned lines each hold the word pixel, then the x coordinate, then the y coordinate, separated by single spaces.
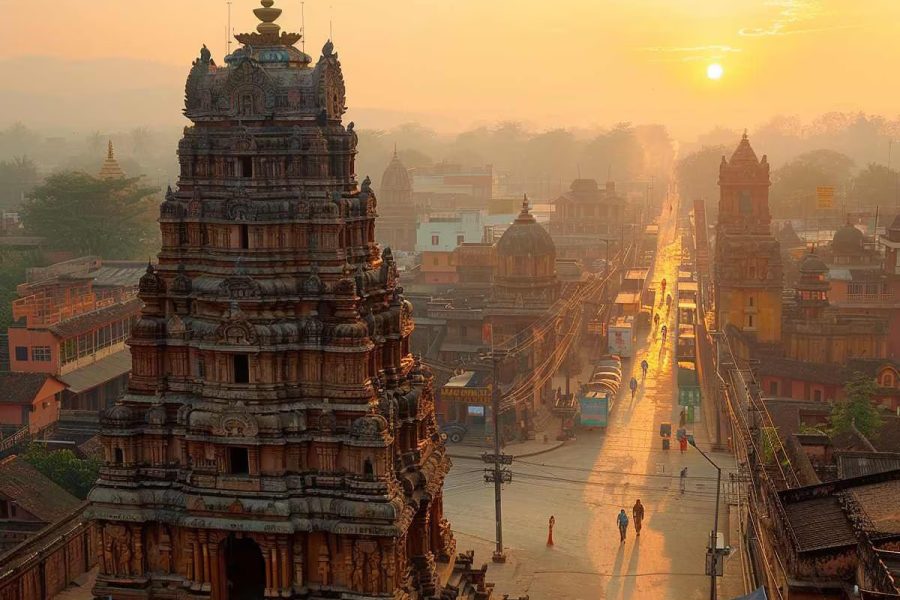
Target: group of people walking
pixel 637 513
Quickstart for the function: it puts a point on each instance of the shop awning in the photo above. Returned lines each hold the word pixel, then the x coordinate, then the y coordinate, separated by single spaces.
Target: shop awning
pixel 470 387
pixel 94 374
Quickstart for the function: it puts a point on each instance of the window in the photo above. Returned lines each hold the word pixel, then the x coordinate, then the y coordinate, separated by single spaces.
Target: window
pixel 750 321
pixel 245 237
pixel 460 239
pixel 462 331
pixel 40 353
pixel 773 388
pixel 22 353
pixel 750 301
pixel 118 456
pixel 45 404
pixel 435 240
pixel 201 367
pixel 238 461
pixel 241 368
pixel 817 395
pixel 887 379
pixel 368 469
pixel 246 167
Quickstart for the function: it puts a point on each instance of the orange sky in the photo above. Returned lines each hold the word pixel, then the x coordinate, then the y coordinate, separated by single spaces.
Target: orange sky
pixel 455 63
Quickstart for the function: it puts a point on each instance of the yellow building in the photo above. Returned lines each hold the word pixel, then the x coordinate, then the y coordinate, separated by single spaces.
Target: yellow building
pixel 748 268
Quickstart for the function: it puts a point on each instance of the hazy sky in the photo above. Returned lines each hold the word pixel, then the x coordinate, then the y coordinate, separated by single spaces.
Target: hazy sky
pixel 455 63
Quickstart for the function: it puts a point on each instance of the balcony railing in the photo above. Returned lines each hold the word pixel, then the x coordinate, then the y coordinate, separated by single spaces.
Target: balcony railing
pixel 877 298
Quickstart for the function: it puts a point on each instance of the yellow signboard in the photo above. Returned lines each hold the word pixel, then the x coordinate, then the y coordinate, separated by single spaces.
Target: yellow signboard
pixel 825 196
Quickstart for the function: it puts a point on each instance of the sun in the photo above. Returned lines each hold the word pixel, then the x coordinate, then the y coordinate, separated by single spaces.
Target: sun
pixel 715 71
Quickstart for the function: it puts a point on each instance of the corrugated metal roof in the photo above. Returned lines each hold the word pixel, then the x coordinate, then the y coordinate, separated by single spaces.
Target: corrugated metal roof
pixel 99 372
pixel 856 464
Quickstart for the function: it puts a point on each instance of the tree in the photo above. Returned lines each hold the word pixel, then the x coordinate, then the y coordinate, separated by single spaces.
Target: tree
pixel 876 185
pixel 856 409
pixel 794 185
pixel 698 177
pixel 73 474
pixel 17 178
pixel 111 218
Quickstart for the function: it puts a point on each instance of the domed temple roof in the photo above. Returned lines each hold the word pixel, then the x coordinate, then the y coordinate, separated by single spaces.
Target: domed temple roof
pixel 396 176
pixel 813 265
pixel 526 237
pixel 847 240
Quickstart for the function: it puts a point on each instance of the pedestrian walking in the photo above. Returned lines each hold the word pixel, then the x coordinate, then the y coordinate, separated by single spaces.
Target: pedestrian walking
pixel 622 521
pixel 655 321
pixel 682 418
pixel 644 367
pixel 637 513
pixel 665 330
pixel 633 384
pixel 550 530
pixel 683 478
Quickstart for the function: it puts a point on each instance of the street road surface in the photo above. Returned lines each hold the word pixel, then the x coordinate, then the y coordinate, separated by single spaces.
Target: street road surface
pixel 585 483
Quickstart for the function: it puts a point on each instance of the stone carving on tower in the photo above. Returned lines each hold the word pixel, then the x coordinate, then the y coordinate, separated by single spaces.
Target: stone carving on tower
pixel 748 268
pixel 277 438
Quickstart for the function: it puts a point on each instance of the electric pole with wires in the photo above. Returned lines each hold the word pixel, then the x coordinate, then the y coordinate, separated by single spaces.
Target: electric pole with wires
pixel 498 475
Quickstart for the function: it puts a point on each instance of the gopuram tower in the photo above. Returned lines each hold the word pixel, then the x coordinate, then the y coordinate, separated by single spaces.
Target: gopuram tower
pixel 748 270
pixel 277 439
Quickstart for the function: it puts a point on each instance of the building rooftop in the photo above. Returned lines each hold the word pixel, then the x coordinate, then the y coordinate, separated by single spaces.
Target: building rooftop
pixel 89 320
pixel 819 523
pixel 34 492
pixel 21 388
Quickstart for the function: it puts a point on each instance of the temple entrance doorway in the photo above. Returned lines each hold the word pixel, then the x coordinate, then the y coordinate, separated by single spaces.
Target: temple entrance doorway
pixel 245 570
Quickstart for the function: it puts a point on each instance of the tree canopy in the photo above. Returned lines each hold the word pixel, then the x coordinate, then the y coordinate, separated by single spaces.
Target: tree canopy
pixel 794 185
pixel 111 218
pixel 73 474
pixel 856 409
pixel 18 177
pixel 876 185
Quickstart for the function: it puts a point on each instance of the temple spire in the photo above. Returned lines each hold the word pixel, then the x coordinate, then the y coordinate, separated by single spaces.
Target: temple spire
pixel 267 16
pixel 110 168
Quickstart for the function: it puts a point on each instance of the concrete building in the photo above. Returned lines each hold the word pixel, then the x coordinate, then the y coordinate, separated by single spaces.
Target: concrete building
pixel 437 238
pixel 71 322
pixel 585 216
pixel 451 186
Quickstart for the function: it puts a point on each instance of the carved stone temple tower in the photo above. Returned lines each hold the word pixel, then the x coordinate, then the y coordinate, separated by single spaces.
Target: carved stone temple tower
pixel 277 438
pixel 748 269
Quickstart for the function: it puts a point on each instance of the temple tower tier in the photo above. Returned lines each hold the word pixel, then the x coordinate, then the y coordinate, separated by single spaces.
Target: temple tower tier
pixel 278 439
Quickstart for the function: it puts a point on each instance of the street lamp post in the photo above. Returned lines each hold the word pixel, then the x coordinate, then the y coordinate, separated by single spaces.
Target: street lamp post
pixel 713 546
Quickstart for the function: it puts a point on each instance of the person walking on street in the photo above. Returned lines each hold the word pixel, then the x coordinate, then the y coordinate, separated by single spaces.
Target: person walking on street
pixel 644 367
pixel 637 513
pixel 633 384
pixel 656 321
pixel 683 478
pixel 665 330
pixel 622 521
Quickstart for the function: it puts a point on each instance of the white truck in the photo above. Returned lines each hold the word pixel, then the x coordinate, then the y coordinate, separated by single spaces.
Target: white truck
pixel 621 336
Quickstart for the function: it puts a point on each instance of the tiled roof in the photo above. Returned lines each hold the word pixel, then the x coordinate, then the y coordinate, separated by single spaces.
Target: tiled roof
pixel 31 490
pixel 89 321
pixel 879 503
pixel 819 523
pixel 21 388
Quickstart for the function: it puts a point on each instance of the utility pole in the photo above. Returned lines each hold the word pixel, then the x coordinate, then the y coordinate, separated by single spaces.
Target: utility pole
pixel 712 562
pixel 498 475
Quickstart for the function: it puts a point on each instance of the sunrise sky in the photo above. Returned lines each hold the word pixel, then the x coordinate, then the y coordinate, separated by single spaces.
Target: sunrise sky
pixel 454 63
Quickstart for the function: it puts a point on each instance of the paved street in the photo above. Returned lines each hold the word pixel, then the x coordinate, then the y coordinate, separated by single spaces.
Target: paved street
pixel 586 482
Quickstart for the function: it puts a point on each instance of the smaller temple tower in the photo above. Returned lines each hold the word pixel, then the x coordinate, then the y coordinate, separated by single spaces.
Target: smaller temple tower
pixel 812 288
pixel 748 269
pixel 111 168
pixel 396 226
